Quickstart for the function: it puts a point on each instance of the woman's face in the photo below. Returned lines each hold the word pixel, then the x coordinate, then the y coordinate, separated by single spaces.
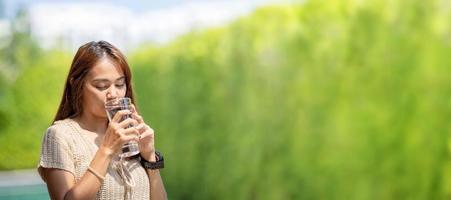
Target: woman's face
pixel 104 81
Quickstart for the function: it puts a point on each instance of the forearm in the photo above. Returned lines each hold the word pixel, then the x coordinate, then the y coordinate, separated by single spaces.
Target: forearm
pixel 157 190
pixel 89 184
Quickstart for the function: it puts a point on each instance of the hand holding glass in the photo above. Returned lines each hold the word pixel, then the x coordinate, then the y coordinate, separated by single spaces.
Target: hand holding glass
pixel 112 107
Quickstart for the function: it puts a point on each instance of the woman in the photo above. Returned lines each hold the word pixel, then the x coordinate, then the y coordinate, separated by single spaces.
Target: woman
pixel 79 157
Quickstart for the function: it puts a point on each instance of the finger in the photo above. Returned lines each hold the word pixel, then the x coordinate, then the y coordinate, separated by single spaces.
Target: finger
pixel 127 123
pixel 128 138
pixel 147 134
pixel 143 128
pixel 130 131
pixel 119 115
pixel 114 126
pixel 138 118
pixel 140 128
pixel 148 131
pixel 133 109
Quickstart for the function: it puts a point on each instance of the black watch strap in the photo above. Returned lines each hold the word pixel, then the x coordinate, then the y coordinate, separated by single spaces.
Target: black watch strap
pixel 153 165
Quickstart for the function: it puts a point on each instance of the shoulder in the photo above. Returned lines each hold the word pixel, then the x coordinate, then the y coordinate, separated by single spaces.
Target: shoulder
pixel 60 129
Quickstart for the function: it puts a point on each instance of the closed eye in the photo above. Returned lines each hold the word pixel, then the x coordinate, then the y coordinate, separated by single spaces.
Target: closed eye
pixel 101 87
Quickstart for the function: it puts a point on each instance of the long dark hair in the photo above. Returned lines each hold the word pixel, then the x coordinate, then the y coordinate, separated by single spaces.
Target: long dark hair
pixel 86 57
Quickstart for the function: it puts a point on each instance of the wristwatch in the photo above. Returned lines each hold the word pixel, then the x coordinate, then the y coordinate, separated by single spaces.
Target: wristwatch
pixel 153 165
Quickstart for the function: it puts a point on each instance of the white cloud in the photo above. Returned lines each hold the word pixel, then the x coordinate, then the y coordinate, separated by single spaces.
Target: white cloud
pixel 72 24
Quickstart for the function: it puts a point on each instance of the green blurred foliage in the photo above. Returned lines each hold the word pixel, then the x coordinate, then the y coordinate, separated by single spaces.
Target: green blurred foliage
pixel 16 54
pixel 324 100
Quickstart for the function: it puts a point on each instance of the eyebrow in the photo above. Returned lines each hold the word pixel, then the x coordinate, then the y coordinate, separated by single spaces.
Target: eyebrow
pixel 106 80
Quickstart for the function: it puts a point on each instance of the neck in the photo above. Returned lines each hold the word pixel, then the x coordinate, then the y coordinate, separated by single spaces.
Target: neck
pixel 92 123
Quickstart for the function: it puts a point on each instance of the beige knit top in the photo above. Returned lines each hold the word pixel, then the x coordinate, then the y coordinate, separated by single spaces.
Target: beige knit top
pixel 66 147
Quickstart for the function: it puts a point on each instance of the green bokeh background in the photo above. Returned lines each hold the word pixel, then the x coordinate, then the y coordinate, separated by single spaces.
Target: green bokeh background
pixel 321 100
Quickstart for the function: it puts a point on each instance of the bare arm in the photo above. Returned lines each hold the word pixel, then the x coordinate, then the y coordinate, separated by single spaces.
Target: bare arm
pixel 147 150
pixel 61 184
pixel 157 190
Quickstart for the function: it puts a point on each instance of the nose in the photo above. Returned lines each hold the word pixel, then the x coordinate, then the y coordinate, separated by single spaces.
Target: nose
pixel 112 93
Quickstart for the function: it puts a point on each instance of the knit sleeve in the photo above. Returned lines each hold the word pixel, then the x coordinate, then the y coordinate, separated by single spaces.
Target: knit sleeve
pixel 55 151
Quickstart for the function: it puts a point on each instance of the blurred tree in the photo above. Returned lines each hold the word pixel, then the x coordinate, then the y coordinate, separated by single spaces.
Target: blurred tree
pixel 325 100
pixel 3 117
pixel 17 52
pixel 20 49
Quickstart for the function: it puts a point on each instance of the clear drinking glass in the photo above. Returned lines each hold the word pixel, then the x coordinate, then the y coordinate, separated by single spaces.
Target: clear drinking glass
pixel 112 107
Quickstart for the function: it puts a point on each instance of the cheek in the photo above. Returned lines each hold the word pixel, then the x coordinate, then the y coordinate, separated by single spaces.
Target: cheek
pixel 101 110
pixel 98 107
pixel 123 92
pixel 94 99
pixel 97 98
